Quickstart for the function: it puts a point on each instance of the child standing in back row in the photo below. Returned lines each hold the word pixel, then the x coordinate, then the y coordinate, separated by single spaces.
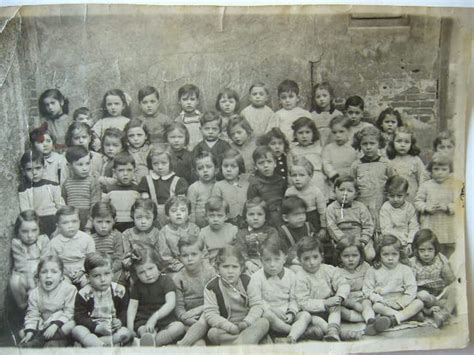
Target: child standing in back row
pixel 188 100
pixel 155 121
pixel 227 105
pixel 260 117
pixel 115 111
pixel 323 109
pixel 54 107
pixel 288 95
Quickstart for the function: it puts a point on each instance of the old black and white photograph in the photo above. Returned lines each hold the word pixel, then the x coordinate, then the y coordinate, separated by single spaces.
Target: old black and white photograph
pixel 233 179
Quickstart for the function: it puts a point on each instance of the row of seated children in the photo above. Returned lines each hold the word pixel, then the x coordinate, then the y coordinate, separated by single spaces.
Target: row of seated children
pixel 226 303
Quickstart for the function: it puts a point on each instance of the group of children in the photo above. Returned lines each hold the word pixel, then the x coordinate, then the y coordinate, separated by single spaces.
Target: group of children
pixel 213 229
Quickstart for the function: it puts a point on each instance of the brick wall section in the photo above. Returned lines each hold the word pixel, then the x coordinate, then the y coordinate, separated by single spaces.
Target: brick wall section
pixel 419 103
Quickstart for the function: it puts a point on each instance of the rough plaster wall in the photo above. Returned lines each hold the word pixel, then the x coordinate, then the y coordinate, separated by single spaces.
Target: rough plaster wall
pixel 85 53
pixel 12 138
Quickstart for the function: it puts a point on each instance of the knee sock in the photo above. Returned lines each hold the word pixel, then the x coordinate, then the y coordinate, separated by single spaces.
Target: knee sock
pixel 196 332
pixel 164 337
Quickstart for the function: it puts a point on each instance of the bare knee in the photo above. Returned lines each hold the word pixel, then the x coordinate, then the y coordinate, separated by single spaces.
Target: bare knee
pixel 304 316
pixel 214 335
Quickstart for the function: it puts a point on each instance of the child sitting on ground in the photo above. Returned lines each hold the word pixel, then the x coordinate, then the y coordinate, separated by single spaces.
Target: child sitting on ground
pixel 275 285
pixel 100 309
pixel 232 314
pixel 320 291
pixel 150 312
pixel 190 282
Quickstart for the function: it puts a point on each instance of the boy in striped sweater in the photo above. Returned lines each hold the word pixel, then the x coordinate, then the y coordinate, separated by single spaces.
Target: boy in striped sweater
pixel 80 190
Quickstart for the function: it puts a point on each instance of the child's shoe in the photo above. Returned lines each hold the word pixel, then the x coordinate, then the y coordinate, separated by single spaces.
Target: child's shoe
pixel 419 317
pixel 382 323
pixel 147 339
pixel 370 327
pixel 351 334
pixel 333 332
pixel 314 333
pixel 440 317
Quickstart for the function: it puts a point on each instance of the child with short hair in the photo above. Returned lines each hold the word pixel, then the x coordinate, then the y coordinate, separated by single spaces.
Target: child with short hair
pixel 54 107
pixel 71 245
pixel 243 140
pixel 338 155
pixel 320 291
pixel 275 285
pixel 143 234
pixel 49 318
pixel 437 200
pixel 253 233
pixel 266 184
pixel 277 142
pixel 227 105
pixel 115 111
pixel 83 115
pixel 348 217
pixel 403 154
pixel 155 121
pixel 80 190
pixel 205 165
pixel 150 312
pixel 80 134
pixel 232 313
pixel 55 165
pixel 100 309
pixel 354 111
pixel 177 138
pixel 444 143
pixel 233 188
pixel 190 116
pixel 308 144
pixel 352 267
pixel 218 233
pixel 288 96
pixel 211 128
pixel 37 193
pixel 28 246
pixel 162 182
pixel 124 192
pixel 177 209
pixel 389 120
pixel 398 217
pixel 301 173
pixel 260 117
pixel 107 239
pixel 434 277
pixel 112 144
pixel 390 284
pixel 136 133
pixel 371 171
pixel 190 282
pixel 323 109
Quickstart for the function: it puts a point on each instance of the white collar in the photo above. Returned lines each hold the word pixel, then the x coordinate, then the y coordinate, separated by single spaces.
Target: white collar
pixel 155 176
